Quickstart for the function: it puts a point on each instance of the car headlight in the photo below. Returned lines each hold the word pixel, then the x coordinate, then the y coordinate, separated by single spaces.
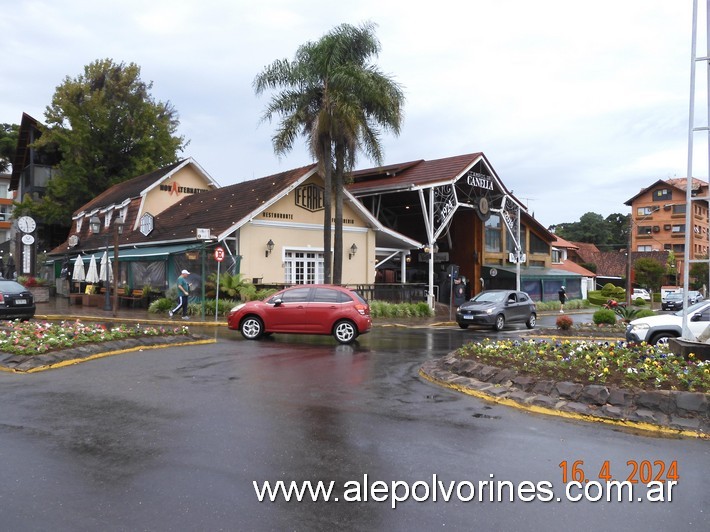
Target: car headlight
pixel 639 326
pixel 489 311
pixel 238 307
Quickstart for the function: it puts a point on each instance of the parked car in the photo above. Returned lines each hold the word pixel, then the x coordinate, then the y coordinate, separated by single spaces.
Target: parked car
pixel 304 309
pixel 694 297
pixel 495 308
pixel 640 292
pixel 673 301
pixel 659 328
pixel 16 301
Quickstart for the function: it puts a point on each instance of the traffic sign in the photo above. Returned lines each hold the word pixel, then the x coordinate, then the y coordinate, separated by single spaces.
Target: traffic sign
pixel 219 254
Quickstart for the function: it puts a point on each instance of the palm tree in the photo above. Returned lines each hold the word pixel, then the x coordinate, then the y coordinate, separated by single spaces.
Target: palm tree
pixel 340 102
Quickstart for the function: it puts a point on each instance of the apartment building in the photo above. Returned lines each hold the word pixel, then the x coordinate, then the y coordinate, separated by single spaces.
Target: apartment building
pixel 658 215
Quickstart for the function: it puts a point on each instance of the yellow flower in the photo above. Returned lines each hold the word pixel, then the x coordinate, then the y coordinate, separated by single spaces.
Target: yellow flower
pixel 606 370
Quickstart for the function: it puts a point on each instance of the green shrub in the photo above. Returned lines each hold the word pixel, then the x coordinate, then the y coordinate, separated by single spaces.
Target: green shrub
pixel 608 290
pixel 162 305
pixel 604 315
pixel 383 309
pixel 645 313
pixel 640 302
pixel 572 304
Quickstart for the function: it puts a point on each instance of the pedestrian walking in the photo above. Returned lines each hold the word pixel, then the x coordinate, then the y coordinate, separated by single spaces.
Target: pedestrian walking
pixel 562 294
pixel 183 293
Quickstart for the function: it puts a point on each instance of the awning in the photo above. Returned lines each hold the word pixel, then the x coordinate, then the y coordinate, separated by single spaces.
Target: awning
pixel 146 253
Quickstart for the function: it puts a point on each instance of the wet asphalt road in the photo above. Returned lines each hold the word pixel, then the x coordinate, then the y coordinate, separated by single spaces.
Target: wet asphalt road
pixel 172 440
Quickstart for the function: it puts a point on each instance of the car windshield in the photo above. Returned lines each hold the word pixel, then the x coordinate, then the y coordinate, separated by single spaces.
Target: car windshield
pixel 489 297
pixel 674 297
pixel 693 308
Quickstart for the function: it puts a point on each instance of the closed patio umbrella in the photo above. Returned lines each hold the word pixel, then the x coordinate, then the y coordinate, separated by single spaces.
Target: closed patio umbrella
pixel 106 263
pixel 92 274
pixel 78 274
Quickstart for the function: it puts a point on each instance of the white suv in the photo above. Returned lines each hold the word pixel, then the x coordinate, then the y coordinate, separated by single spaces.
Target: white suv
pixel 640 292
pixel 659 328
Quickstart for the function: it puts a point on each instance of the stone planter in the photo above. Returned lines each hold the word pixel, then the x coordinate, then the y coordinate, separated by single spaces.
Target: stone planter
pixel 683 347
pixel 40 293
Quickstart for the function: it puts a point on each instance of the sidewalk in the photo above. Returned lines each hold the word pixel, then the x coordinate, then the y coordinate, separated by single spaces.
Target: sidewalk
pixel 59 308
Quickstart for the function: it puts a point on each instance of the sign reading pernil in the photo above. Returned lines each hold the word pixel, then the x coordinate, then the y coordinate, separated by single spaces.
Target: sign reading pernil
pixel 479 180
pixel 309 197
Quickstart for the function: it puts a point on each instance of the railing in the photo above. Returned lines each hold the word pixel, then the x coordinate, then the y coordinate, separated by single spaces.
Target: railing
pixel 392 292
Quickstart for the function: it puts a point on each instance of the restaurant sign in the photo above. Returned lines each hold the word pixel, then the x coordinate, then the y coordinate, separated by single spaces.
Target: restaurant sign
pixel 310 197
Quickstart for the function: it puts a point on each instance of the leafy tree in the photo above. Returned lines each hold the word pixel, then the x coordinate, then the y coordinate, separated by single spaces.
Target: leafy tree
pixel 8 145
pixel 334 96
pixel 649 273
pixel 108 128
pixel 591 228
pixel 699 271
pixel 618 225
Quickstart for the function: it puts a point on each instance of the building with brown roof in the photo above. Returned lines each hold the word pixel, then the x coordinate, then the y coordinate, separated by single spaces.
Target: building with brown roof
pixel 270 228
pixel 460 207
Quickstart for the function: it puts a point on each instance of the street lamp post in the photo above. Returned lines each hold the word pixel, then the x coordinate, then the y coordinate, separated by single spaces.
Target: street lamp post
pixel 118 230
pixel 95 227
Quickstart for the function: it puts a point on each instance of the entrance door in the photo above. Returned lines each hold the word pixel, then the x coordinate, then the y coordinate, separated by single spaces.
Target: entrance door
pixel 303 267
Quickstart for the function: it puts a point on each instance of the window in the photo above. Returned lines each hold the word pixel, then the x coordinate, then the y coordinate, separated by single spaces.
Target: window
pixel 510 246
pixel 493 230
pixel 679 248
pixel 645 211
pixel 556 256
pixel 303 267
pixel 679 209
pixel 679 228
pixel 5 212
pixel 299 295
pixel 644 248
pixel 644 230
pixel 662 194
pixel 4 191
pixel 538 245
pixel 327 295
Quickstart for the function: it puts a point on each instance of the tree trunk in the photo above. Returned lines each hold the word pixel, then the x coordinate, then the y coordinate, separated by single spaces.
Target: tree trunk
pixel 338 183
pixel 327 210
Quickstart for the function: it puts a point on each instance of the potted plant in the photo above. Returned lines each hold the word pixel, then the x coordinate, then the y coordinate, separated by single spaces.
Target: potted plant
pixel 36 285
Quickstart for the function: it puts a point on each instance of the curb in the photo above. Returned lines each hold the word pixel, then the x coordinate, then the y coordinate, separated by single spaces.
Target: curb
pixel 434 372
pixel 70 361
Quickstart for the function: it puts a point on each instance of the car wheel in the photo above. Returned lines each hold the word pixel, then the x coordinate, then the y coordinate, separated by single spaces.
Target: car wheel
pixel 463 325
pixel 345 331
pixel 499 323
pixel 661 338
pixel 252 327
pixel 532 320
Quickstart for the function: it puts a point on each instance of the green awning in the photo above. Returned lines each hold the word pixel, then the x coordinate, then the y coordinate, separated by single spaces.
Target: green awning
pixel 145 253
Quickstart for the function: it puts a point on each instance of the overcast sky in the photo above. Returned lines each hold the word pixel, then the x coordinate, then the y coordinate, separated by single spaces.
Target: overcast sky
pixel 577 105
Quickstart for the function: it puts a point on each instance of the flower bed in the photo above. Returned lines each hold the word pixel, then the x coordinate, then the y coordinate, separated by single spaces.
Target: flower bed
pixel 36 338
pixel 610 363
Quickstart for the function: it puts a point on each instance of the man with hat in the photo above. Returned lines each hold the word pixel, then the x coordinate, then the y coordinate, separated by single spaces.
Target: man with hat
pixel 183 292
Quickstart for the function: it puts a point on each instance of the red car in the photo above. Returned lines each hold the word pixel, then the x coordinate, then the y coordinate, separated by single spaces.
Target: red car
pixel 304 309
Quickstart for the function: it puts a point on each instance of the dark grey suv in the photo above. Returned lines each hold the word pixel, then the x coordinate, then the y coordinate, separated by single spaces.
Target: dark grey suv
pixel 495 308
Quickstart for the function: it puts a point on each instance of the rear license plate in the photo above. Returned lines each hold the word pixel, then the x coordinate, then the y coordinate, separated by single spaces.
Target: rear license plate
pixel 20 301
